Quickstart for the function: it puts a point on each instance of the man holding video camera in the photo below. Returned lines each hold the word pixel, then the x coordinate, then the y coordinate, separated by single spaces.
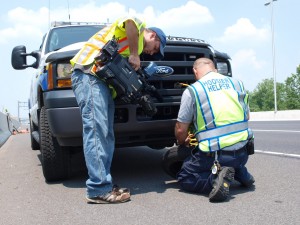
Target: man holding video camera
pixel 95 100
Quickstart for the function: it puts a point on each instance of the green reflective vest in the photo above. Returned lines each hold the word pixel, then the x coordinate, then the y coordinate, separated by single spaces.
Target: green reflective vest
pixel 221 105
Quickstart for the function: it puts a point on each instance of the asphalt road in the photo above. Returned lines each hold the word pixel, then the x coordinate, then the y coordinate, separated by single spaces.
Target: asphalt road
pixel 25 197
pixel 277 136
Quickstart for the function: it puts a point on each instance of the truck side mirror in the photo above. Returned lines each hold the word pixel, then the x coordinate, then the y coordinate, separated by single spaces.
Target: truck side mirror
pixel 19 60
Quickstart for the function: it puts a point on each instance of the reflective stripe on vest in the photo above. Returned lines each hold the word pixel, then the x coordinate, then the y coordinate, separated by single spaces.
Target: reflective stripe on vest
pixel 91 48
pixel 238 87
pixel 223 130
pixel 123 45
pixel 208 133
pixel 204 105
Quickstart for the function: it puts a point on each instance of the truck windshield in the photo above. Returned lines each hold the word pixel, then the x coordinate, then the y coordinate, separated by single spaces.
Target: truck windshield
pixel 63 36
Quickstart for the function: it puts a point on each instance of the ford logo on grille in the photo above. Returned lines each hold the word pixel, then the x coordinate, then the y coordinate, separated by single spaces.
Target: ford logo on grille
pixel 163 70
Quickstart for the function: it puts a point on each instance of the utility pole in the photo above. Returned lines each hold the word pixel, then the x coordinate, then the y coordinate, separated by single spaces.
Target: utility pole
pixel 273 54
pixel 49 21
pixel 21 105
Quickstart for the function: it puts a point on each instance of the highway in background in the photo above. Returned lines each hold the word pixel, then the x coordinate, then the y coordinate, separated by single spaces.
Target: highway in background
pixel 277 136
pixel 25 197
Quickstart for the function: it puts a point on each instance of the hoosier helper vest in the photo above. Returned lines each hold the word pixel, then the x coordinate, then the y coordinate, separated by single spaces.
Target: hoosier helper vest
pixel 221 105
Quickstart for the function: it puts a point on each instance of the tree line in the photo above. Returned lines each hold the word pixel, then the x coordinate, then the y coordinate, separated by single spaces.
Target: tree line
pixel 287 94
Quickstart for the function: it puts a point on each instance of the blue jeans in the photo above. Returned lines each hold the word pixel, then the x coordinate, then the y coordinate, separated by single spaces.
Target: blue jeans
pixel 97 112
pixel 196 176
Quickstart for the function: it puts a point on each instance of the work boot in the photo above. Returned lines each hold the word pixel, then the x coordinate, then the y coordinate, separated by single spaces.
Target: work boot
pixel 221 184
pixel 249 182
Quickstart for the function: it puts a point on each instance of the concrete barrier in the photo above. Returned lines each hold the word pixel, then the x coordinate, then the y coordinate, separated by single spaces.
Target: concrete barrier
pixel 7 124
pixel 279 115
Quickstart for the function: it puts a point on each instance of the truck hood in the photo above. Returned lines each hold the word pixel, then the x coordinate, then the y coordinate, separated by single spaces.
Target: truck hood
pixel 65 53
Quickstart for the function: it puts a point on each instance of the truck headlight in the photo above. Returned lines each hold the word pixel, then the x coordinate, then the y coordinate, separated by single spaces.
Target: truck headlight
pixel 222 68
pixel 64 71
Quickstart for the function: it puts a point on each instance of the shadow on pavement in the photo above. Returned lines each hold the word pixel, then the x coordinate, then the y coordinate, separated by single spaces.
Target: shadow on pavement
pixel 137 168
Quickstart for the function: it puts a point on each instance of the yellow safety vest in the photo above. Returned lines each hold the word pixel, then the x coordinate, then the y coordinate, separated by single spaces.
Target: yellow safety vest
pixel 221 105
pixel 84 59
pixel 92 47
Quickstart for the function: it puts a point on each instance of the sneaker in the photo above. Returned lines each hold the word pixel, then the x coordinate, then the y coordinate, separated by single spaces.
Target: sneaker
pixel 116 195
pixel 221 184
pixel 249 182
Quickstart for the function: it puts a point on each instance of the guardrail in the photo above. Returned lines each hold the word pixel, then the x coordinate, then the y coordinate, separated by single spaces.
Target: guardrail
pixel 7 125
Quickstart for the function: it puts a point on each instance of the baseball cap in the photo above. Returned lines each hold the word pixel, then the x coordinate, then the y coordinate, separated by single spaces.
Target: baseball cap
pixel 163 40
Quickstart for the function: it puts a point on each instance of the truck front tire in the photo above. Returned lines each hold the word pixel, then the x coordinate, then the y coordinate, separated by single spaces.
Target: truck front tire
pixel 55 159
pixel 173 159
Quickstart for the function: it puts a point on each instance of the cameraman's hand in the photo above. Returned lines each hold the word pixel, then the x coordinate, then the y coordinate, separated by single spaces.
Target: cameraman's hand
pixel 134 61
pixel 187 141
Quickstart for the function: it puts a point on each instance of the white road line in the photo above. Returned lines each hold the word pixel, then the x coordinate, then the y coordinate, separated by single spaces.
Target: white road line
pixel 288 131
pixel 278 154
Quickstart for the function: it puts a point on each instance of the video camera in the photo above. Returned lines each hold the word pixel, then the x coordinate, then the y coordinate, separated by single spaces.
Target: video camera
pixel 131 86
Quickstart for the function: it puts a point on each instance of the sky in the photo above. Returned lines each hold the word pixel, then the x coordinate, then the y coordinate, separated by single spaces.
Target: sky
pixel 242 29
